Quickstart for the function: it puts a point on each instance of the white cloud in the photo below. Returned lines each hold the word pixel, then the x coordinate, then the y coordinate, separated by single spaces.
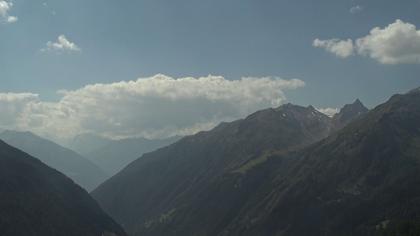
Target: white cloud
pixel 62 45
pixel 12 106
pixel 329 111
pixel 341 48
pixel 398 43
pixel 5 7
pixel 356 9
pixel 158 106
pixel 12 19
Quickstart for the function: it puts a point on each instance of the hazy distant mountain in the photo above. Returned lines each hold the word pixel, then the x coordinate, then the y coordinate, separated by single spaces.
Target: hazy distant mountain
pixel 113 155
pixel 87 143
pixel 176 182
pixel 271 174
pixel 116 154
pixel 38 200
pixel 349 113
pixel 75 166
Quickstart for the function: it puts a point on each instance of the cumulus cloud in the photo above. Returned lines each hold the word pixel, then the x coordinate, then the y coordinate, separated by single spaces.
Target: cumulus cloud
pixel 356 9
pixel 329 111
pixel 61 45
pixel 341 48
pixel 153 107
pixel 5 7
pixel 12 106
pixel 398 43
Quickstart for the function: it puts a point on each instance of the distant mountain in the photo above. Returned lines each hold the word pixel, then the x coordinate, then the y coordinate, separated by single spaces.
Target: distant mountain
pixel 75 166
pixel 174 184
pixel 117 154
pixel 113 155
pixel 268 175
pixel 38 200
pixel 349 113
pixel 87 143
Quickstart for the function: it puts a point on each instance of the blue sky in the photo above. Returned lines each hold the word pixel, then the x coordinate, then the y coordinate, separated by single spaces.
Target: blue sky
pixel 125 40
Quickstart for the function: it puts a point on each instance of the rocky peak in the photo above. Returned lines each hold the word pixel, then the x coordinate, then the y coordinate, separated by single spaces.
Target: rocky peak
pixel 348 113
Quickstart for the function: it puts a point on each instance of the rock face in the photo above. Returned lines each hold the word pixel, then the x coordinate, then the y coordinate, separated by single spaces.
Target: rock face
pixel 38 200
pixel 75 166
pixel 285 171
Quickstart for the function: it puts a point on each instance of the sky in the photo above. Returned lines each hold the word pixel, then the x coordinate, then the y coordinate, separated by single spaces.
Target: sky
pixel 157 68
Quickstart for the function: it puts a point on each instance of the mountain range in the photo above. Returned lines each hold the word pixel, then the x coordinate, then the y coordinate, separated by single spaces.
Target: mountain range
pixel 286 171
pixel 203 184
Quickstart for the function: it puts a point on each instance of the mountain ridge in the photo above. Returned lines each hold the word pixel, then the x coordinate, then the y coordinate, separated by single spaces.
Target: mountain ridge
pixel 38 200
pixel 348 113
pixel 351 182
pixel 77 167
pixel 196 166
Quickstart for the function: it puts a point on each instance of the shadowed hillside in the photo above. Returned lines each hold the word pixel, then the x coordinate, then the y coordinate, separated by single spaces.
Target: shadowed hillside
pixel 38 200
pixel 75 166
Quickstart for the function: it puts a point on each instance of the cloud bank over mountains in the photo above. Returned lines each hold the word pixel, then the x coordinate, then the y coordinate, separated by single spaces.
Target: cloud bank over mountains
pixel 153 107
pixel 398 43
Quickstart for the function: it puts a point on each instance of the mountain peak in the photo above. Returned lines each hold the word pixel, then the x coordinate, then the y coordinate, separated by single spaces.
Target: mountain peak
pixel 302 114
pixel 293 107
pixel 310 107
pixel 359 104
pixel 355 108
pixel 348 113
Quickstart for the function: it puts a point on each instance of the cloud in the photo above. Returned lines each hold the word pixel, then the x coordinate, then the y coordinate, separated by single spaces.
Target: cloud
pixel 153 107
pixel 12 106
pixel 5 7
pixel 62 45
pixel 12 19
pixel 328 111
pixel 398 43
pixel 341 48
pixel 356 9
